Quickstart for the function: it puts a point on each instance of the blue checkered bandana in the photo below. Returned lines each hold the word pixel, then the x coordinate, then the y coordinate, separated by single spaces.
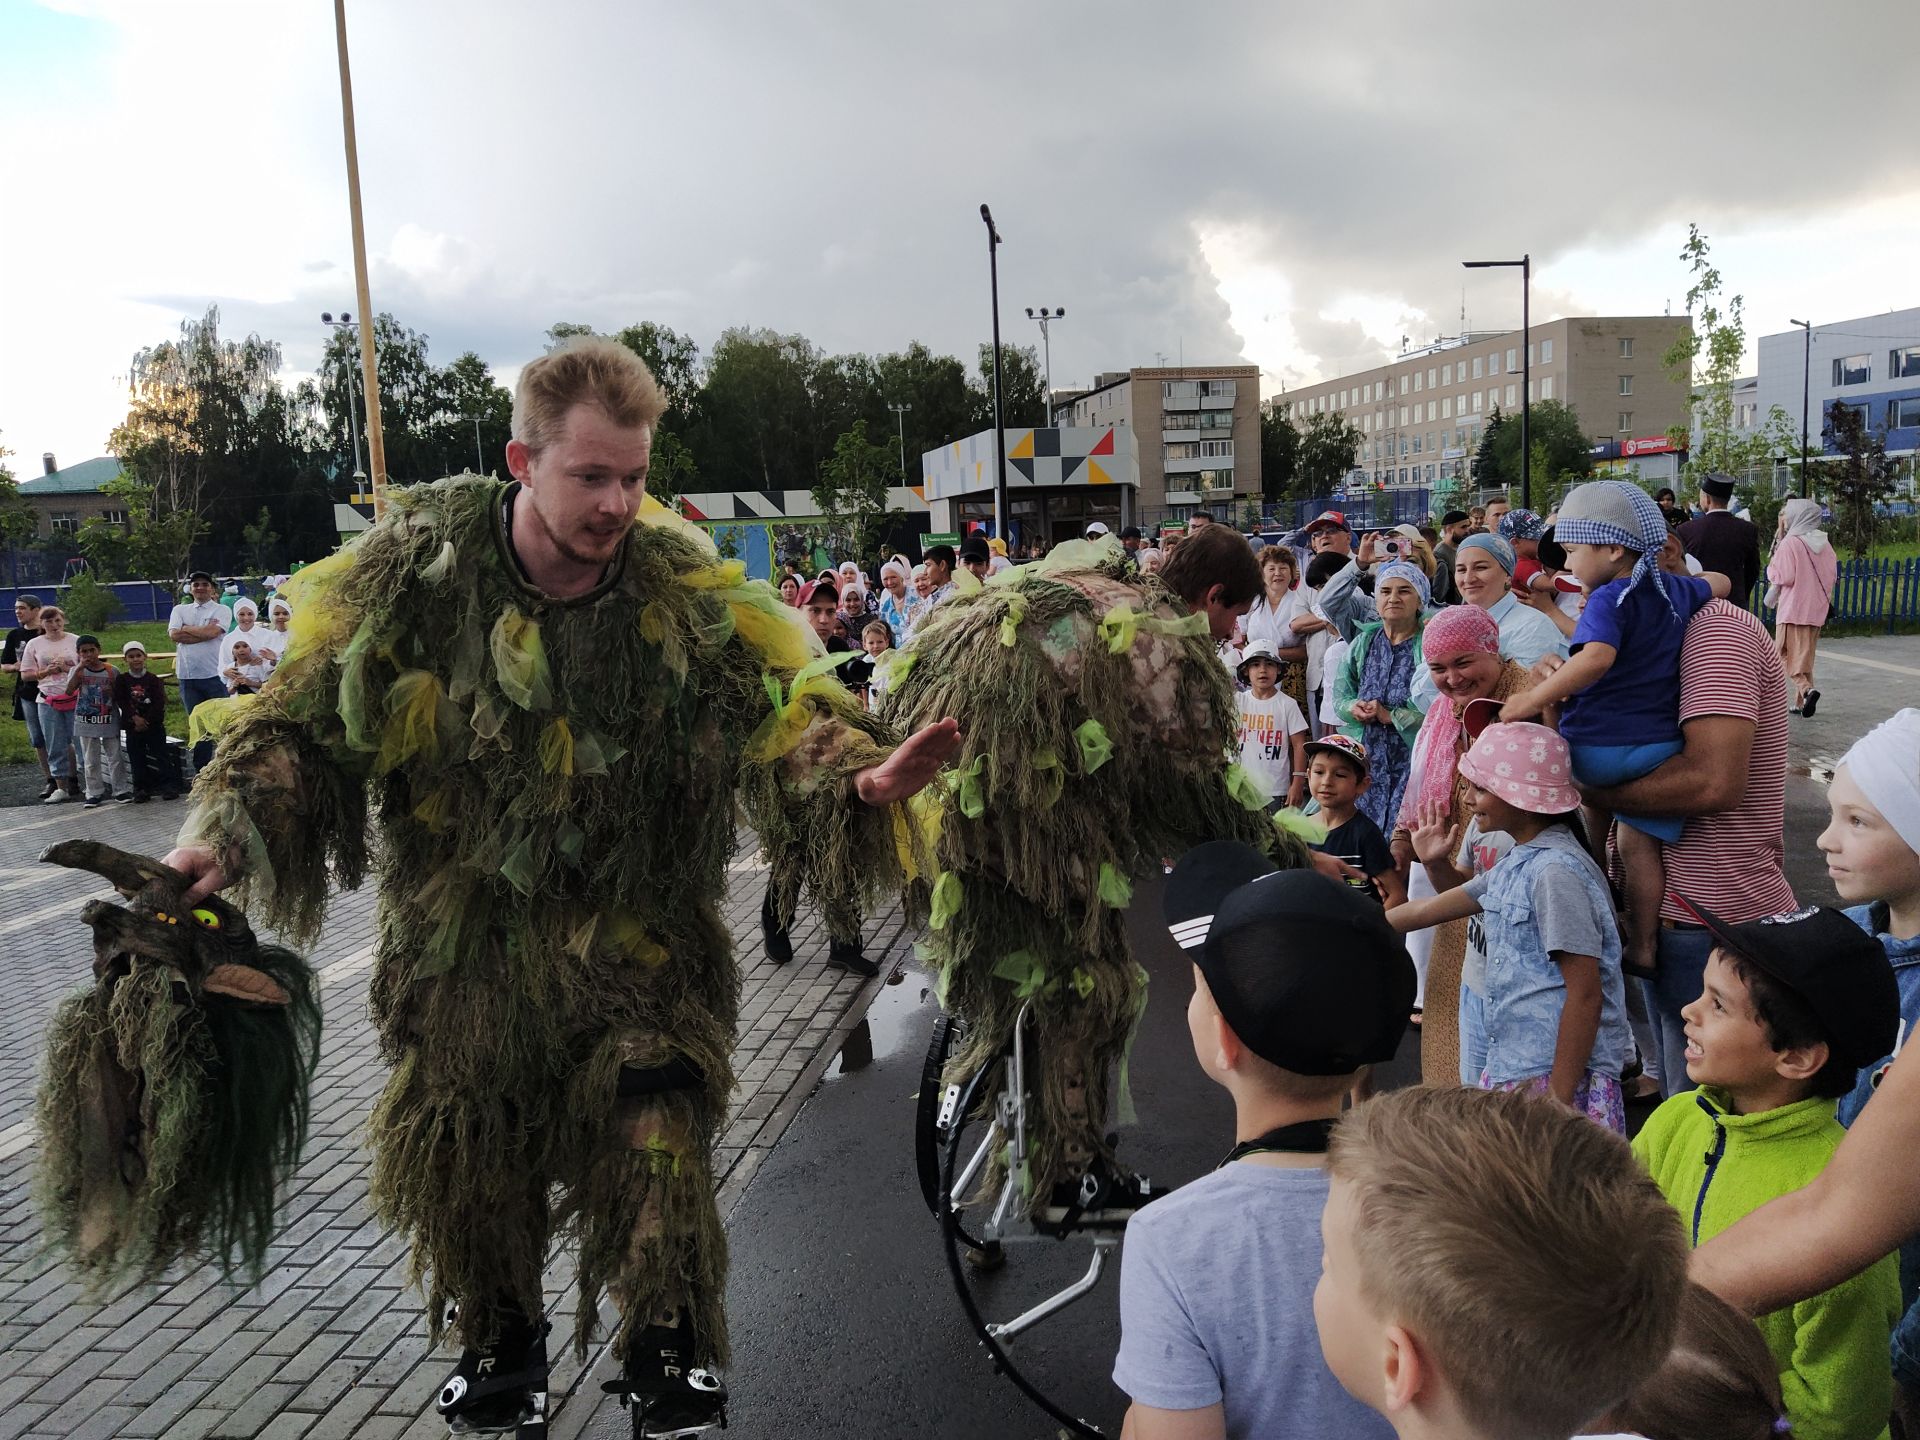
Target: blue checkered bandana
pixel 1613 512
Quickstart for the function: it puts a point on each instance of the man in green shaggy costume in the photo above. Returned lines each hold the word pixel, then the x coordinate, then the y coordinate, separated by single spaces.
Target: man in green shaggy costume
pixel 552 708
pixel 1099 733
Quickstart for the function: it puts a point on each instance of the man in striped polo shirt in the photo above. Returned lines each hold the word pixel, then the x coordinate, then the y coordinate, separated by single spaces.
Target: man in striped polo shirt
pixel 1729 783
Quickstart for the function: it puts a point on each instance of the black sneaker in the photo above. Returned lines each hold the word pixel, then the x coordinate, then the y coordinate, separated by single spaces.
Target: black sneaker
pixel 669 1396
pixel 140 797
pixel 849 955
pixel 500 1390
pixel 125 797
pixel 94 802
pixel 1810 704
pixel 1101 1199
pixel 779 943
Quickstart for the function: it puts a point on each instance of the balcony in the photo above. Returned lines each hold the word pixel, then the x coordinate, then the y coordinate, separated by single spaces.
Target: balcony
pixel 1197 463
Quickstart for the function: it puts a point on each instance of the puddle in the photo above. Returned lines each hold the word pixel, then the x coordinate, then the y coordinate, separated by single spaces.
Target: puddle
pixel 881 1030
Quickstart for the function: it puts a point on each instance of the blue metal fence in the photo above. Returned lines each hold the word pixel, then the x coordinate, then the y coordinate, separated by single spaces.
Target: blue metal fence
pixel 1870 591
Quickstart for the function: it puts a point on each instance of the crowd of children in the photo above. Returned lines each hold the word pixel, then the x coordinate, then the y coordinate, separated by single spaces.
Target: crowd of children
pixel 1490 1261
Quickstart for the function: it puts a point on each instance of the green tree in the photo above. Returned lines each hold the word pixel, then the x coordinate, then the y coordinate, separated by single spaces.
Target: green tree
pixel 852 490
pixel 19 523
pixel 1860 478
pixel 935 386
pixel 414 424
pixel 1327 446
pixel 1707 360
pixel 1279 452
pixel 1023 389
pixel 89 604
pixel 468 392
pixel 1488 473
pixel 260 539
pixel 754 427
pixel 1562 454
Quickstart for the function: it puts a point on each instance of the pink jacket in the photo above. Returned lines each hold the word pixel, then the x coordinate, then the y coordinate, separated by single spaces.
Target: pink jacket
pixel 1805 580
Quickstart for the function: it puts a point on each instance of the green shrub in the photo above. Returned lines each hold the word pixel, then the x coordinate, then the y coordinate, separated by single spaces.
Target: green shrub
pixel 90 606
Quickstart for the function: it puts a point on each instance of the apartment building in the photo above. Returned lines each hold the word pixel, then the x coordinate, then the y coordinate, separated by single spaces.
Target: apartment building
pixel 1196 429
pixel 1420 417
pixel 1871 362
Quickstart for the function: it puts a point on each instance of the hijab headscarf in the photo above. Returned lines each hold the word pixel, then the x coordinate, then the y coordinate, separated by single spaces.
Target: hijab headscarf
pixel 1803 519
pixel 1501 552
pixel 1456 630
pixel 1406 570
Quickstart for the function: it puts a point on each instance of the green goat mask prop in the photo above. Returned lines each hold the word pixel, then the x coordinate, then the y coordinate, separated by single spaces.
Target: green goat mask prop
pixel 174 1099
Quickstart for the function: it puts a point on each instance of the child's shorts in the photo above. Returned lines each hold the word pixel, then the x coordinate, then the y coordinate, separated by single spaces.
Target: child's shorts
pixel 1617 764
pixel 1601 1098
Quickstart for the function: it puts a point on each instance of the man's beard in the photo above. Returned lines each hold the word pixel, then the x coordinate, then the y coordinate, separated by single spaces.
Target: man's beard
pixel 571 550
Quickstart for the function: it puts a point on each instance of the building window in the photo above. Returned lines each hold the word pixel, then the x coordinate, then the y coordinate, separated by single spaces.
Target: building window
pixel 64 522
pixel 1852 370
pixel 1446 374
pixel 114 517
pixel 1217 449
pixel 1416 381
pixel 1529 354
pixel 1513 360
pixel 1546 352
pixel 1183 450
pixel 1625 427
pixel 1510 390
pixel 1446 408
pixel 1903 414
pixel 1626 347
pixel 1546 388
pixel 1477 362
pixel 1476 400
pixel 1626 384
pixel 1416 444
pixel 1903 364
pixel 1430 379
pixel 1493 363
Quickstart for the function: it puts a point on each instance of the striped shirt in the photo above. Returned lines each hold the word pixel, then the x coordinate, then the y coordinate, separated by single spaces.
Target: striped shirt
pixel 1732 862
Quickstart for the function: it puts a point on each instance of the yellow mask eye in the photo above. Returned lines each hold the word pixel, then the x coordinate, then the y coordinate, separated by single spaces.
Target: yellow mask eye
pixel 207 918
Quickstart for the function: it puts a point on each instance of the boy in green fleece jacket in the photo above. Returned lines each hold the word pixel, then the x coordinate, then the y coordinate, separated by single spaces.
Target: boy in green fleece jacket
pixel 1793 1006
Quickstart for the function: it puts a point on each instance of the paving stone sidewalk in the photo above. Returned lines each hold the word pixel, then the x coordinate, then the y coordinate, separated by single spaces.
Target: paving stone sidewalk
pixel 332 1345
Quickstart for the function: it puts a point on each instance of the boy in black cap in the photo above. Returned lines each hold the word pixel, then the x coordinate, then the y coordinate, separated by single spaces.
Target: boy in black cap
pixel 1793 1006
pixel 976 556
pixel 1216 1288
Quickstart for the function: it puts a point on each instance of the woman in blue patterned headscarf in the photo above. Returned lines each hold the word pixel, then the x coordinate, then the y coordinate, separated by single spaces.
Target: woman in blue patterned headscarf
pixel 1374 692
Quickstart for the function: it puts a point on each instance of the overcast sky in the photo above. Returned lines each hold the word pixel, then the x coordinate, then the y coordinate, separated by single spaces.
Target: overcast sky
pixel 1291 185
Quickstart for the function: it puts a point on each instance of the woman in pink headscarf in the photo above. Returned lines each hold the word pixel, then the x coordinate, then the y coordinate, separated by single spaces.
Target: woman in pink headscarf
pixel 1461 646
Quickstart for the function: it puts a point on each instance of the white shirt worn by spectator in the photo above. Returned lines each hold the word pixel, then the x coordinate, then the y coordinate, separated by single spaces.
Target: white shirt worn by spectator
pixel 198 659
pixel 252 675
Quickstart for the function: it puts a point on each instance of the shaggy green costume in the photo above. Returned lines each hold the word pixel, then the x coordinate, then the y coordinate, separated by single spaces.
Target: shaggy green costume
pixel 1098 728
pixel 552 785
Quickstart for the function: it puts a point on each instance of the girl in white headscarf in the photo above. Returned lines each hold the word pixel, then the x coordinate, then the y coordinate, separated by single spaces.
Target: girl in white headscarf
pixel 1800 579
pixel 246 626
pixel 272 648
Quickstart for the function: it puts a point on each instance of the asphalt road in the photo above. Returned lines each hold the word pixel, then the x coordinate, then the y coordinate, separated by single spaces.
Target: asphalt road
pixel 843 1315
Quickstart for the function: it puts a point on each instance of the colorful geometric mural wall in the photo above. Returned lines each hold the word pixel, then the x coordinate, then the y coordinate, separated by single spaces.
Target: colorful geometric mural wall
pixel 1080 455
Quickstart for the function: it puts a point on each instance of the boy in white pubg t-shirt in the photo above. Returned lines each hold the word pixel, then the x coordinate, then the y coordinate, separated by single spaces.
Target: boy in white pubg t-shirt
pixel 1273 732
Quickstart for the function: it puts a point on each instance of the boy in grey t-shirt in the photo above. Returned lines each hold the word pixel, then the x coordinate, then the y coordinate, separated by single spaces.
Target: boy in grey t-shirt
pixel 1216 1287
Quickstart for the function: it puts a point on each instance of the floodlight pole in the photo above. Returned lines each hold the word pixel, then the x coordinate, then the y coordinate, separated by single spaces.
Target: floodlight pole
pixel 1525 266
pixel 999 425
pixel 1806 384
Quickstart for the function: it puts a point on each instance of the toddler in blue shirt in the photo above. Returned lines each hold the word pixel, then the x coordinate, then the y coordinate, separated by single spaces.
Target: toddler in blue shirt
pixel 1622 720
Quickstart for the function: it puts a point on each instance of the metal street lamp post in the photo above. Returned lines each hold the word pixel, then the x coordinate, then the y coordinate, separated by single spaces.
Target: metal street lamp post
pixel 1525 264
pixel 1806 384
pixel 1044 317
pixel 900 415
pixel 999 424
pixel 479 455
pixel 344 324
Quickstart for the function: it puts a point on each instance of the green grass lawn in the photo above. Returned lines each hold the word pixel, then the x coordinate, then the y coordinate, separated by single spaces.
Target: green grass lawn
pixel 14 749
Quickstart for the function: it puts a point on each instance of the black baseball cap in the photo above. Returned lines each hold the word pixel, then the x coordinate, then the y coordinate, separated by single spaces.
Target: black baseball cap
pixel 1837 969
pixel 1305 969
pixel 200 575
pixel 1132 532
pixel 1454 517
pixel 974 547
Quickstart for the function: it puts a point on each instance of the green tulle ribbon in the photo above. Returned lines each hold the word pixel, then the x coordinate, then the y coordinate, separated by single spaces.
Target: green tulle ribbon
pixel 1291 821
pixel 520 662
pixel 1119 626
pixel 1115 889
pixel 1095 748
pixel 946 901
pixel 557 748
pixel 1082 983
pixel 1245 789
pixel 971 793
pixel 1024 970
pixel 789 717
pixel 1010 623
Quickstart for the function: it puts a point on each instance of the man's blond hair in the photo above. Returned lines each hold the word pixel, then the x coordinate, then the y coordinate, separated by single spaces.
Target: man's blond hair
pixel 1521 1243
pixel 586 369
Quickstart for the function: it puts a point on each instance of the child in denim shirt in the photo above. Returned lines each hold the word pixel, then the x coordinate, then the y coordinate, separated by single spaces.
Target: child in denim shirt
pixel 1873 858
pixel 1555 1000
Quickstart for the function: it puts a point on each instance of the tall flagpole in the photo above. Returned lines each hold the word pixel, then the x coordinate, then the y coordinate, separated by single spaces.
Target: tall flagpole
pixel 369 374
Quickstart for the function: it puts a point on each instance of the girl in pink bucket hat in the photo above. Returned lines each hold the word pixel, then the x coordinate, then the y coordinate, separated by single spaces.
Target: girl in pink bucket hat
pixel 1556 1011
